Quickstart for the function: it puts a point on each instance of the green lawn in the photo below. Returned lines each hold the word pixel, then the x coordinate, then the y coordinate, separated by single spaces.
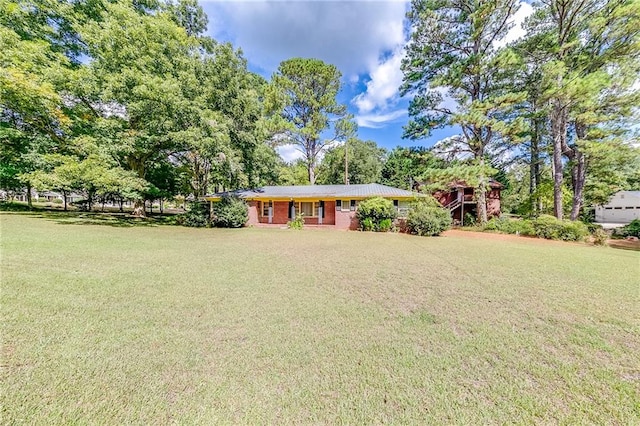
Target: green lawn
pixel 160 324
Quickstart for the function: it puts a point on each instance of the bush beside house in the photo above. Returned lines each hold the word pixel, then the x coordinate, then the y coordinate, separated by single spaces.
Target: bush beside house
pixel 376 214
pixel 196 216
pixel 230 212
pixel 632 229
pixel 427 218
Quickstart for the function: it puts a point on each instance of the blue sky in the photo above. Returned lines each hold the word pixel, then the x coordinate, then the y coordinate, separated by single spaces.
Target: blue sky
pixel 364 39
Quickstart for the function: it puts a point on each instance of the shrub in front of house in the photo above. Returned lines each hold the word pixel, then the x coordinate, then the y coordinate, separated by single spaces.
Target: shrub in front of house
pixel 197 216
pixel 376 214
pixel 551 228
pixel 632 229
pixel 427 219
pixel 600 237
pixel 510 226
pixel 230 212
pixel 297 223
pixel 385 225
pixel 367 224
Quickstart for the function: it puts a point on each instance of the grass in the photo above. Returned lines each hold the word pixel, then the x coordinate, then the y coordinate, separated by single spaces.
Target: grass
pixel 154 325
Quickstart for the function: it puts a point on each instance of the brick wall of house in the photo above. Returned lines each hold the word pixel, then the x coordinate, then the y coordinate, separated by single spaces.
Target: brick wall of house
pixel 254 207
pixel 346 220
pixel 281 213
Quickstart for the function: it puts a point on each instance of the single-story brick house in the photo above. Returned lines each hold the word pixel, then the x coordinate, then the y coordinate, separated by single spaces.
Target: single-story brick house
pixel 328 205
pixel 460 199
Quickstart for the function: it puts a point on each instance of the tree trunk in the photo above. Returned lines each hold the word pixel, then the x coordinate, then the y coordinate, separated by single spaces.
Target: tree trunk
pixel 482 202
pixel 29 202
pixel 559 133
pixel 138 208
pixel 312 175
pixel 90 195
pixel 64 197
pixel 578 173
pixel 481 197
pixel 534 165
pixel 138 166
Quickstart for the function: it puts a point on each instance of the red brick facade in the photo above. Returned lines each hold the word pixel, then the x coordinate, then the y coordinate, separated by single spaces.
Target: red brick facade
pixel 335 218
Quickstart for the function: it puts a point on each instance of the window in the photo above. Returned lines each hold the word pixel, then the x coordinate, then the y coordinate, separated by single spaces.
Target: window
pixel 395 203
pixel 346 205
pixel 265 207
pixel 306 208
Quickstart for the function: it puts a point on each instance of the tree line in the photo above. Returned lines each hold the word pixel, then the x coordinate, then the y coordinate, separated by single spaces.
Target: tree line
pixel 563 98
pixel 129 100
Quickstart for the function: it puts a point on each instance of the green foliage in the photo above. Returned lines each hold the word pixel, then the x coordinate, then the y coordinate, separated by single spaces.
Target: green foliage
pixel 301 100
pixel 545 226
pixel 549 227
pixel 230 212
pixel 372 212
pixel 405 167
pixel 510 226
pixel 297 223
pixel 364 159
pixel 588 80
pixel 295 173
pixel 385 225
pixel 367 224
pixel 632 229
pixel 197 216
pixel 427 219
pixel 469 219
pixel 600 237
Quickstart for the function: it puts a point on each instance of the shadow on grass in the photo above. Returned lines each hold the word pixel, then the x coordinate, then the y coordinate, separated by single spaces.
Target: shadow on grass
pixel 118 220
pixel 625 245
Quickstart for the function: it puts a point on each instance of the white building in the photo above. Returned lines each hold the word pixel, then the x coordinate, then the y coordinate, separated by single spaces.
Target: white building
pixel 623 207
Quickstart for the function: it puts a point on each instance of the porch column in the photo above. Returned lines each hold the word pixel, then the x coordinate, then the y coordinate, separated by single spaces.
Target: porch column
pixel 270 220
pixel 320 215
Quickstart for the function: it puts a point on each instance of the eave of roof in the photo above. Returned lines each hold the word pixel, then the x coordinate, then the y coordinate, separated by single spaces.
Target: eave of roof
pixel 319 192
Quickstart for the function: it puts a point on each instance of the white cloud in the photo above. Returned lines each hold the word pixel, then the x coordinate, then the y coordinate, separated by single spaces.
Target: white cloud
pixel 382 88
pixel 289 153
pixel 378 120
pixel 517 31
pixel 349 34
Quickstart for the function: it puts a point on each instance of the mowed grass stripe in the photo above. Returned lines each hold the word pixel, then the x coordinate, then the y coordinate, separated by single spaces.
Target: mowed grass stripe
pixel 163 324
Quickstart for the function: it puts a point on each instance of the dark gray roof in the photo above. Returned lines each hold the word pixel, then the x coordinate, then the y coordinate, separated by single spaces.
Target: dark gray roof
pixel 320 191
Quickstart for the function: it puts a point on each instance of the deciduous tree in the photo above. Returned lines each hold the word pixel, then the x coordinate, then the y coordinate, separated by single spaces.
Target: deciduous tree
pixel 353 162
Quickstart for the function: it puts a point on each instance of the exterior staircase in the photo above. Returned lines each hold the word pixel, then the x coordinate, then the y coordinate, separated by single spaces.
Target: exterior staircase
pixel 453 205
